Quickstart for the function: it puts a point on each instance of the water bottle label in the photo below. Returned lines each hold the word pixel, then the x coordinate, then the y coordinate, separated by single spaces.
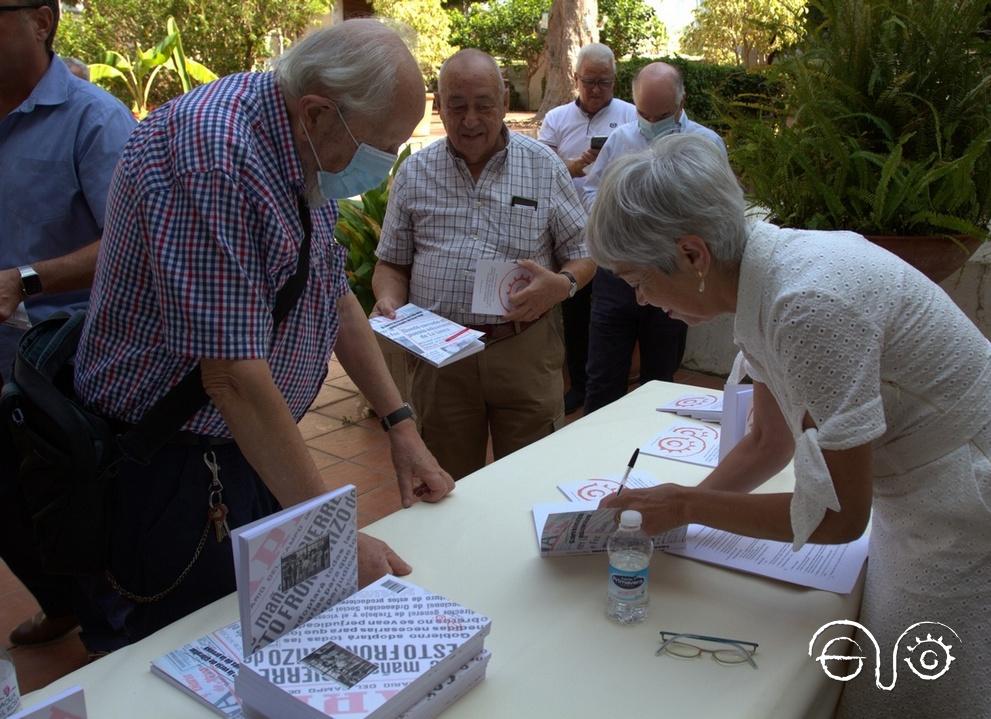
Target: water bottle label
pixel 10 698
pixel 626 585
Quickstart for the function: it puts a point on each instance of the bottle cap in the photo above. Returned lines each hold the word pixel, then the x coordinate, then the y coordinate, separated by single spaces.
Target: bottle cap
pixel 631 519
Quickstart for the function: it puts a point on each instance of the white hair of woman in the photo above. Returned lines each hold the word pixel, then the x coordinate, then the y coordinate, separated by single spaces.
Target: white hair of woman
pixel 355 61
pixel 682 186
pixel 596 52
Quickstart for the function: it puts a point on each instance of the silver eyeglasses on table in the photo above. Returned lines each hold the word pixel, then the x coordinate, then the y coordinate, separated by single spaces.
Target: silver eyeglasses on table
pixel 685 646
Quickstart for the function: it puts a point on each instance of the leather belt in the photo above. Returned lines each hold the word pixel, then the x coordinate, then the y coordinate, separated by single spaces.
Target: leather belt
pixel 502 330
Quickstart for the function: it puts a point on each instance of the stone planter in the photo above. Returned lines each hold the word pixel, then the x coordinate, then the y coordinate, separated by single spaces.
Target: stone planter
pixel 937 257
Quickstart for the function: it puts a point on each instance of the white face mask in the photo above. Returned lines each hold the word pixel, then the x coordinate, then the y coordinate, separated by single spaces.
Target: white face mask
pixel 368 168
pixel 653 130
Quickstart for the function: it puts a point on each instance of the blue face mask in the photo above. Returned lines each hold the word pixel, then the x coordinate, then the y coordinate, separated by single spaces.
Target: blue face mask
pixel 368 168
pixel 653 130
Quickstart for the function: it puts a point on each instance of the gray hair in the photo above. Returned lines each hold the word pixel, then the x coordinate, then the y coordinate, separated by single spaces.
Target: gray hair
pixel 77 67
pixel 596 52
pixel 682 186
pixel 355 61
pixel 676 78
pixel 470 52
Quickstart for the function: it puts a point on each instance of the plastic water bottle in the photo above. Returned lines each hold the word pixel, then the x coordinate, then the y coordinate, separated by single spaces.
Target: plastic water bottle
pixel 629 561
pixel 10 698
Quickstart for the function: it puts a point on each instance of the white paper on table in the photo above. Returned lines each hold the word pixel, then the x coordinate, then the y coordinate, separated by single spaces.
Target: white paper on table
pixel 738 416
pixel 705 406
pixel 70 704
pixel 832 567
pixel 581 490
pixel 19 319
pixel 692 443
pixel 495 281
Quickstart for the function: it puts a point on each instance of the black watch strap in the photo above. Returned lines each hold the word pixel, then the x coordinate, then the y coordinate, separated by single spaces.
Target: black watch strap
pixel 394 418
pixel 572 280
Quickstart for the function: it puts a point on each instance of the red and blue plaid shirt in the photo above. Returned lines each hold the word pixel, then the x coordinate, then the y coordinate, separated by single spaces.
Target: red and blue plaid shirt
pixel 202 229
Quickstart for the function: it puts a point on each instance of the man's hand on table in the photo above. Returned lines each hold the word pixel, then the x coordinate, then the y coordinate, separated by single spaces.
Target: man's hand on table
pixel 375 558
pixel 662 507
pixel 414 463
pixel 546 289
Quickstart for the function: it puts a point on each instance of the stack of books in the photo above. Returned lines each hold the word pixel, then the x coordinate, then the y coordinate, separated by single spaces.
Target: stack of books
pixel 374 655
pixel 309 645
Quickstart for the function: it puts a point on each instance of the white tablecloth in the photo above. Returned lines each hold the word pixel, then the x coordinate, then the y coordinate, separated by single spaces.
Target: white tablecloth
pixel 554 654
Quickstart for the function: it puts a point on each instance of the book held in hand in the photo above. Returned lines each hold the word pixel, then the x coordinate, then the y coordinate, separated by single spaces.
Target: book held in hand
pixel 373 655
pixel 434 339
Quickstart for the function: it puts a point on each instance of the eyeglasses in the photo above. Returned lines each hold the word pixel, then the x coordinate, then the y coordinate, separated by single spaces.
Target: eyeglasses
pixel 735 651
pixel 11 8
pixel 592 83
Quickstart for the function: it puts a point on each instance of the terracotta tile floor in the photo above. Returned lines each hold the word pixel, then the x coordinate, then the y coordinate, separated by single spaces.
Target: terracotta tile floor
pixel 347 446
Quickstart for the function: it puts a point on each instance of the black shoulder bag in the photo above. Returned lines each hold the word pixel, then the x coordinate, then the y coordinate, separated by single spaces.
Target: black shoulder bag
pixel 68 454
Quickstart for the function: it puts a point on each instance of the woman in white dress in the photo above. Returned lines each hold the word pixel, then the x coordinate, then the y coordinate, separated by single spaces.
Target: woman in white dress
pixel 866 373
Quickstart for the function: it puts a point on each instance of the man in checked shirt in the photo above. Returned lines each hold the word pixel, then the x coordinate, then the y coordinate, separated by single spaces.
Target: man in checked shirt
pixel 205 224
pixel 483 193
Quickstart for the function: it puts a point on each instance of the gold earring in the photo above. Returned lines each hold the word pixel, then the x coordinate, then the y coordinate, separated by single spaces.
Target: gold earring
pixel 701 283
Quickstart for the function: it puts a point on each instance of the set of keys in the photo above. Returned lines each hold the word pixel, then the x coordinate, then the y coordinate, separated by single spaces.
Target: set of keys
pixel 216 509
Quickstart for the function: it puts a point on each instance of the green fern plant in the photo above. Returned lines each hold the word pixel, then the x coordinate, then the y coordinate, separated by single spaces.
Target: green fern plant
pixel 882 122
pixel 358 229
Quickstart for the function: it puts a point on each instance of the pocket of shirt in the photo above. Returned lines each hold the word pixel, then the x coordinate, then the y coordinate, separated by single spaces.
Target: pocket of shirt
pixel 47 188
pixel 525 227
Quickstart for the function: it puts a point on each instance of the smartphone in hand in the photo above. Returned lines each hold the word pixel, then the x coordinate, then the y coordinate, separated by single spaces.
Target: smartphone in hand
pixel 598 141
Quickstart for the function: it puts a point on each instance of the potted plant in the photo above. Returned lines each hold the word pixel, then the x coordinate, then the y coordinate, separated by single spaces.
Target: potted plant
pixel 880 123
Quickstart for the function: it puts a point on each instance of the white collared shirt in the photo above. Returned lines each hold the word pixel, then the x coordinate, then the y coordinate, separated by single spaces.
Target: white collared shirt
pixel 568 129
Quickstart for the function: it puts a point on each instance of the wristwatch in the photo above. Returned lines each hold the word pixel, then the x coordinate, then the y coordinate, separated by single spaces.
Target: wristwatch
pixel 30 281
pixel 394 418
pixel 572 280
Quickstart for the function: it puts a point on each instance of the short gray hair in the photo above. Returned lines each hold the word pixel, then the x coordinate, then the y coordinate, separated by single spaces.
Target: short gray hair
pixel 682 186
pixel 355 61
pixel 596 52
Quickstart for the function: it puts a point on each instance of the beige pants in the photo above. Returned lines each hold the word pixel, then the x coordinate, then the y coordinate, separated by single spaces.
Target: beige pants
pixel 512 389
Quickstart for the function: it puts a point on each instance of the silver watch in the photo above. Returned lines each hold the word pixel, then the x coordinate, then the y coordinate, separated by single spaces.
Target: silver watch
pixel 572 280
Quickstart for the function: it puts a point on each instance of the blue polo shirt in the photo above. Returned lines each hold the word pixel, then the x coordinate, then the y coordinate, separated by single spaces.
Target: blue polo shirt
pixel 58 150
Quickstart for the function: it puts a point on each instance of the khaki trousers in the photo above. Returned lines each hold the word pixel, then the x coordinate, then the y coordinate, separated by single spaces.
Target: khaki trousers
pixel 513 389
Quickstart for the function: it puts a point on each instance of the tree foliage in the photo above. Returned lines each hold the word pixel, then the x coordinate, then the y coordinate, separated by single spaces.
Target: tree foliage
pixel 226 36
pixel 631 27
pixel 432 25
pixel 743 32
pixel 507 29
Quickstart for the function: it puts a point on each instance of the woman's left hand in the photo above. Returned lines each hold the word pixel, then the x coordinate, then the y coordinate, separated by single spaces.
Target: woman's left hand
pixel 662 507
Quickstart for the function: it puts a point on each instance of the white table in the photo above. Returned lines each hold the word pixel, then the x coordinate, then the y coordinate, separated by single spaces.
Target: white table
pixel 554 654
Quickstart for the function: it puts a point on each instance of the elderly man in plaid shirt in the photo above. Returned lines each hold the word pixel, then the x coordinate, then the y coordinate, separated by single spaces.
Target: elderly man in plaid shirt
pixel 204 225
pixel 483 193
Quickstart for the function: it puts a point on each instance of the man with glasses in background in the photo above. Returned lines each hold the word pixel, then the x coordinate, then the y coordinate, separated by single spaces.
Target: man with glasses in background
pixel 576 131
pixel 618 322
pixel 60 138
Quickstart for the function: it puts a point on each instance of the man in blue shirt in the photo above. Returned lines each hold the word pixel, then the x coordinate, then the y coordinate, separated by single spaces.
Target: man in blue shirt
pixel 59 142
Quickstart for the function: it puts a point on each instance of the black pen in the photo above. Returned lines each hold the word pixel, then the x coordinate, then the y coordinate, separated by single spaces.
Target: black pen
pixel 629 468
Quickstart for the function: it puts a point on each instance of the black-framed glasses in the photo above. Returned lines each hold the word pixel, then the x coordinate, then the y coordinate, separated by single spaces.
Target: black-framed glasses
pixel 685 646
pixel 11 8
pixel 590 83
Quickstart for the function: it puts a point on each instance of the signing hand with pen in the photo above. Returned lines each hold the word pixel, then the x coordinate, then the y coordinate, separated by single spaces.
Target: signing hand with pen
pixel 662 507
pixel 545 290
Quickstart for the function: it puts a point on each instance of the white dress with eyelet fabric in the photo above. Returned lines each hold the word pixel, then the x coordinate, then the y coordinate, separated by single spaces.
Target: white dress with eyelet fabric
pixel 876 353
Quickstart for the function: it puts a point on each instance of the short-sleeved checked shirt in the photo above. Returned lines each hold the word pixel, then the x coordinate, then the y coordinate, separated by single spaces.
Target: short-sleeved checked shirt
pixel 442 222
pixel 202 230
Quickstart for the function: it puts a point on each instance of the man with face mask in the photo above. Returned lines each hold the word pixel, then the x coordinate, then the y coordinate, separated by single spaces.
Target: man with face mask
pixel 618 322
pixel 210 209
